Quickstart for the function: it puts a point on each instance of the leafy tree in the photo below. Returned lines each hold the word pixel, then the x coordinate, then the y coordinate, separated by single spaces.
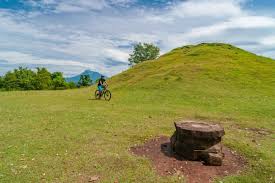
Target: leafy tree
pixel 25 78
pixel 71 85
pixel 58 81
pixel 143 52
pixel 43 79
pixel 1 82
pixel 10 81
pixel 84 80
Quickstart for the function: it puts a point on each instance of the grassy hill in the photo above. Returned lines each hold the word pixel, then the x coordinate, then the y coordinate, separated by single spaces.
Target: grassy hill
pixel 213 78
pixel 62 136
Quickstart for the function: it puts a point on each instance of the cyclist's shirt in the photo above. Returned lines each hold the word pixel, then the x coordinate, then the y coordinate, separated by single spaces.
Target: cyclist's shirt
pixel 101 82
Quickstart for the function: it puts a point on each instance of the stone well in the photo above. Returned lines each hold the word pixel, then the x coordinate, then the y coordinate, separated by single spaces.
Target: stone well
pixel 198 141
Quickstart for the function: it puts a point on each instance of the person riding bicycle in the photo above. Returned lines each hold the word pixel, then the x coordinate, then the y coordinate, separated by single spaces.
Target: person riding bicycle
pixel 101 84
pixel 102 90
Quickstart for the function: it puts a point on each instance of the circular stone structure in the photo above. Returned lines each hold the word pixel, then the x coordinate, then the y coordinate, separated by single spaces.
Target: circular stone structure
pixel 198 141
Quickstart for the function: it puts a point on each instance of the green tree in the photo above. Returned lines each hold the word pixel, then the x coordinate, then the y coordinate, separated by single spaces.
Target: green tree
pixel 84 80
pixel 71 85
pixel 43 79
pixel 10 81
pixel 58 81
pixel 19 79
pixel 143 52
pixel 25 78
pixel 1 82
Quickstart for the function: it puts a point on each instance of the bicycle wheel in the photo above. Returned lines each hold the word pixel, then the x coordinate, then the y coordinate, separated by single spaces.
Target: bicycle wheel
pixel 97 94
pixel 107 95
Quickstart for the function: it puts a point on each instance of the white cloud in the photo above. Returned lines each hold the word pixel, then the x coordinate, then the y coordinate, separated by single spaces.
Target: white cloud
pixel 252 22
pixel 73 6
pixel 270 54
pixel 269 40
pixel 209 8
pixel 247 22
pixel 140 37
pixel 116 54
pixel 66 66
pixel 13 57
pixel 71 34
pixel 159 19
pixel 16 23
pixel 80 5
pixel 199 9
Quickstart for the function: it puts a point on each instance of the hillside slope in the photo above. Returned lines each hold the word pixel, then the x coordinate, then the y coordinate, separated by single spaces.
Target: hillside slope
pixel 217 63
pixel 213 77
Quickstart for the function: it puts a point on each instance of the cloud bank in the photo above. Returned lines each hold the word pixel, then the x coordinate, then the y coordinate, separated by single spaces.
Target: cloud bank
pixel 99 34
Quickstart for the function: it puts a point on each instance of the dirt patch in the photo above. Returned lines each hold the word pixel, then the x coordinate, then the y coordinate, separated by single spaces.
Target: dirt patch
pixel 159 151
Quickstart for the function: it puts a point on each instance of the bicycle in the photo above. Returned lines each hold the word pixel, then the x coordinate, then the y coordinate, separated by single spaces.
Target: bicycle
pixel 105 93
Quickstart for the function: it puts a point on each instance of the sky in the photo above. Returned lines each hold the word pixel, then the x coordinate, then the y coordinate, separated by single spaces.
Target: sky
pixel 74 35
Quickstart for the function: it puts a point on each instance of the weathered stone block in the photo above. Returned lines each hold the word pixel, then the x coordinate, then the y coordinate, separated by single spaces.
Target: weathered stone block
pixel 198 141
pixel 214 159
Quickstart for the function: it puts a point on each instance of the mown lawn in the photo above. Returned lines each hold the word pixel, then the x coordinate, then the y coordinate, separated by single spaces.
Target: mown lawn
pixel 62 136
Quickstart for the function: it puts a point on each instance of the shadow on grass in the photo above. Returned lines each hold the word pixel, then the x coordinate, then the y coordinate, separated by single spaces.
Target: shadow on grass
pixel 98 100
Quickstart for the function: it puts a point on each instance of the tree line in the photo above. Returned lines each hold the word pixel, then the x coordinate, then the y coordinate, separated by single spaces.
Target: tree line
pixel 41 79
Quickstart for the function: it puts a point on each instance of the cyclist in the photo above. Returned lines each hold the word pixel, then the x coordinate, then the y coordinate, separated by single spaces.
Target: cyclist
pixel 101 85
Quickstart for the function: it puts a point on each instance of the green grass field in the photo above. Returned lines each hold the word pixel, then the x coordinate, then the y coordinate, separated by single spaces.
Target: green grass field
pixel 64 136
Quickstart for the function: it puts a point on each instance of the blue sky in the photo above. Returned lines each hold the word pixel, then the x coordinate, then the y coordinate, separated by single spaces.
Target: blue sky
pixel 74 35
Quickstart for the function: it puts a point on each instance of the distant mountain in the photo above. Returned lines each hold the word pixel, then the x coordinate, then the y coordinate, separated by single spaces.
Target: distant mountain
pixel 93 75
